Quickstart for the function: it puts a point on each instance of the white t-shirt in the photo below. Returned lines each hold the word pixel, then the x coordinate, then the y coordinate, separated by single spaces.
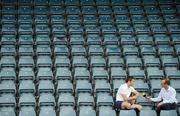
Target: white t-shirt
pixel 124 89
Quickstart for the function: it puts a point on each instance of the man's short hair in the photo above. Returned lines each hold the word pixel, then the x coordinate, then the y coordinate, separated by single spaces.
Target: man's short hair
pixel 167 81
pixel 129 78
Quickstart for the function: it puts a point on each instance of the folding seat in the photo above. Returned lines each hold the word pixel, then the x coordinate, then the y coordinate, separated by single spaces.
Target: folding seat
pixel 172 74
pixel 44 74
pixel 44 61
pixel 46 99
pixel 161 39
pixel 89 10
pixel 8 9
pixel 152 9
pixel 66 99
pixel 122 19
pixel 75 29
pixel 8 29
pixel 89 18
pixel 26 40
pixel 77 40
pixel 56 2
pixel 8 50
pixel 9 1
pixel 120 10
pixel 8 61
pixel 87 2
pixel 103 9
pixel 71 2
pixel 61 50
pixel 175 84
pixel 130 50
pixel 102 2
pixel 43 50
pixel 138 19
pixel 153 19
pixel 100 74
pixel 141 28
pixel 46 86
pixel 42 39
pixel 97 61
pixel 57 19
pixel 133 2
pixel 83 86
pixel 117 73
pixel 8 86
pixel 125 29
pixel 115 61
pixel 112 50
pixel 137 73
pixel 128 40
pixel 148 113
pixel 151 62
pixel 7 103
pixel 177 49
pixel 8 75
pixel 87 111
pixel 101 85
pixel 95 50
pixel 27 99
pixel 118 2
pixel 144 39
pixel 27 110
pixel 26 86
pixel 73 19
pixel 168 113
pixel 175 39
pixel 127 113
pixel 72 10
pixel 67 111
pixel 147 50
pixel 7 113
pixel 26 61
pixel 64 86
pixel 40 10
pixel 81 73
pixel 170 18
pixel 25 29
pixel 133 62
pixel 40 2
pixel 8 18
pixel 92 29
pixel 158 28
pixel 136 10
pixel 8 39
pixel 26 73
pixel 41 19
pixel 154 72
pixel 106 111
pixel 94 39
pixel 63 73
pixel 85 99
pixel 173 28
pixel 58 28
pixel 79 61
pixel 78 51
pixel 42 29
pixel 62 61
pixel 47 111
pixel 155 86
pixel 141 85
pixel 103 98
pixel 165 50
pixel 110 39
pixel 116 82
pixel 168 9
pixel 169 62
pixel 25 9
pixel 108 29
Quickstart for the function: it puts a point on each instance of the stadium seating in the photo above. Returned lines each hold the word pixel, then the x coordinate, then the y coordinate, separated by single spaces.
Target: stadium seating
pixel 69 57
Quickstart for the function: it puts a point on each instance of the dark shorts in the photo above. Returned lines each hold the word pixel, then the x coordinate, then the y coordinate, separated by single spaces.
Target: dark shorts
pixel 118 105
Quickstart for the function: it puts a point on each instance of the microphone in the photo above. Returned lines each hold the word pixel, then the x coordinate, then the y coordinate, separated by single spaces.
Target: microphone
pixel 144 95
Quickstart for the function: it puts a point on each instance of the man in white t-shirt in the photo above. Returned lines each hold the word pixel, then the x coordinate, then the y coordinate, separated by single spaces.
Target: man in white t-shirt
pixel 124 100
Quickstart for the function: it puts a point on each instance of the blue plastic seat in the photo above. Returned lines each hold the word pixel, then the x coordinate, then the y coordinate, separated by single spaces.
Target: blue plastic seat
pixel 125 29
pixel 136 10
pixel 158 28
pixel 111 39
pixel 8 61
pixel 106 111
pixel 144 39
pixel 61 50
pixel 161 39
pixel 67 111
pixel 8 50
pixel 95 51
pixel 168 113
pixel 155 19
pixel 41 2
pixel 89 19
pixel 148 50
pixel 26 61
pixel 8 29
pixel 151 62
pixel 27 99
pixel 78 51
pixel 8 9
pixel 77 40
pixel 175 40
pixel 89 10
pixel 65 86
pixel 40 10
pixel 92 29
pixel 142 29
pixel 63 73
pixel 130 50
pixel 46 99
pixel 79 61
pixel 25 10
pixel 168 9
pixel 154 72
pixel 7 113
pixel 44 73
pixel 81 73
pixel 128 40
pixel 103 99
pixel 44 61
pixel 27 110
pixel 165 50
pixel 57 19
pixel 66 99
pixel 85 99
pixel 97 61
pixel 56 10
pixel 26 40
pixel 41 19
pixel 148 113
pixel 47 110
pixel 62 61
pixel 118 2
pixel 26 86
pixel 42 29
pixel 26 73
pixel 122 19
pixel 127 113
pixel 8 18
pixel 87 111
pixel 43 50
pixel 136 73
pixel 93 39
pixel 72 9
pixel 56 2
pixel 42 39
pixel 108 29
pixel 46 86
pixel 83 86
pixel 152 10
pixel 104 10
pixel 170 18
pixel 173 28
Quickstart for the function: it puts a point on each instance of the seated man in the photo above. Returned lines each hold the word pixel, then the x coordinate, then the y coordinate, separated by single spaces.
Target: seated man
pixel 166 98
pixel 124 100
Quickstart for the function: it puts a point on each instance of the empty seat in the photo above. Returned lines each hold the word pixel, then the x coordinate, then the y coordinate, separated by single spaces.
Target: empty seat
pixel 85 99
pixel 79 61
pixel 97 61
pixel 127 113
pixel 27 86
pixel 148 50
pixel 95 50
pixel 47 110
pixel 106 111
pixel 81 73
pixel 7 113
pixel 63 73
pixel 67 111
pixel 46 99
pixel 27 110
pixel 83 86
pixel 27 99
pixel 133 62
pixel 87 111
pixel 136 73
pixel 148 113
pixel 115 61
pixel 168 113
pixel 64 86
pixel 7 86
pixel 100 74
pixel 66 99
pixel 26 61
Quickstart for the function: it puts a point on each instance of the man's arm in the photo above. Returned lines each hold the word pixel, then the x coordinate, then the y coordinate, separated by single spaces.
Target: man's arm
pixel 134 97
